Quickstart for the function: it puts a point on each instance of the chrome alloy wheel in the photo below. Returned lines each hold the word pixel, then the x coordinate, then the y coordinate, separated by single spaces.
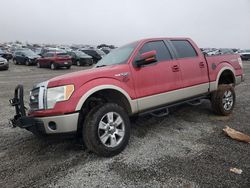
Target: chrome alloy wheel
pixel 111 129
pixel 228 100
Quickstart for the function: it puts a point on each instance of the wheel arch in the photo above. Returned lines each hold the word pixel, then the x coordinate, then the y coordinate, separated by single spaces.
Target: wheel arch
pixel 104 90
pixel 225 76
pixel 102 94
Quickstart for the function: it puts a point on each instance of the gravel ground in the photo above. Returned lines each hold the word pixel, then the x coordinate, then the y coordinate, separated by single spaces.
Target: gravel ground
pixel 185 149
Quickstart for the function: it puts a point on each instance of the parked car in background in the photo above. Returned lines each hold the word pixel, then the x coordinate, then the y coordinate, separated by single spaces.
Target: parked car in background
pixel 25 57
pixel 38 51
pixel 6 55
pixel 226 51
pixel 54 60
pixel 79 58
pixel 214 51
pixel 95 54
pixel 245 54
pixel 4 64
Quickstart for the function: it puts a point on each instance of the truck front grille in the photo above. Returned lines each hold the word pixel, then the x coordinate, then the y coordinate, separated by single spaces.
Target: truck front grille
pixel 34 99
pixel 37 98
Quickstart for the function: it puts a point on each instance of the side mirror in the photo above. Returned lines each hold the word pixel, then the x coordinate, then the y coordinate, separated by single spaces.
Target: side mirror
pixel 146 58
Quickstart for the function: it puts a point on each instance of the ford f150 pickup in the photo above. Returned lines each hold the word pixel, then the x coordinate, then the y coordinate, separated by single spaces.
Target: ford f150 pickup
pixel 146 76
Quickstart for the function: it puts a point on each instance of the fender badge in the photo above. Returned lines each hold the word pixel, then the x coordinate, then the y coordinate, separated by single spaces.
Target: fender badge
pixel 213 66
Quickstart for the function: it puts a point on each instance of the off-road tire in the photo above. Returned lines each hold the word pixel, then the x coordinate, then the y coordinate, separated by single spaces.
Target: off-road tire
pixel 217 100
pixel 90 130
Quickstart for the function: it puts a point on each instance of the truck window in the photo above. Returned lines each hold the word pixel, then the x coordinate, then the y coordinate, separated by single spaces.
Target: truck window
pixel 184 49
pixel 162 52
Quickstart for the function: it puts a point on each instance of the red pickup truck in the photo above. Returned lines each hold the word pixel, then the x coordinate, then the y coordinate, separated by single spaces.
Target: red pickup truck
pixel 146 76
pixel 54 60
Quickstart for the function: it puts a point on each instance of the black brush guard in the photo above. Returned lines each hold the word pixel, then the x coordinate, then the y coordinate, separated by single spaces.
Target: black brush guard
pixel 20 119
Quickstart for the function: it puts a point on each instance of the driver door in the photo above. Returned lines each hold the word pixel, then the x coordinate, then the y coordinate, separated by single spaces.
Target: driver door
pixel 153 82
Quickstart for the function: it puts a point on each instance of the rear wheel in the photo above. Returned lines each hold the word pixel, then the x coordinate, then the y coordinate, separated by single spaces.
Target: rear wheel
pixel 68 67
pixel 15 62
pixel 52 66
pixel 78 63
pixel 223 100
pixel 38 65
pixel 106 130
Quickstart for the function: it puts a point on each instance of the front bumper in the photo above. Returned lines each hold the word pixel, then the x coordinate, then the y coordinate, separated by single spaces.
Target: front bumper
pixel 49 125
pixel 66 123
pixel 59 124
pixel 4 65
pixel 63 64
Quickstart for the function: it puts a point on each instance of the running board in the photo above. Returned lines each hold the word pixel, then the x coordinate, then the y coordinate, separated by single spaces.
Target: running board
pixel 195 102
pixel 163 111
pixel 160 112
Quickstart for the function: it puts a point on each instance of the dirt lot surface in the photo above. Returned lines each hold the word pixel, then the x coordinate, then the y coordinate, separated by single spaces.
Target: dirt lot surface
pixel 185 149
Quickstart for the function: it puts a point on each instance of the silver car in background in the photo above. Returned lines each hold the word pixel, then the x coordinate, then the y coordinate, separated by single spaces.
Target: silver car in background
pixel 4 64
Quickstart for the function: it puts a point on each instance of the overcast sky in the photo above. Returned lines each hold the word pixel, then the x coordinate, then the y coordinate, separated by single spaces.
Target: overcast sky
pixel 211 23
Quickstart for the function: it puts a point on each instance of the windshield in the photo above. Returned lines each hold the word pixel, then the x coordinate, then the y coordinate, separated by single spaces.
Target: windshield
pixel 118 56
pixel 81 54
pixel 29 53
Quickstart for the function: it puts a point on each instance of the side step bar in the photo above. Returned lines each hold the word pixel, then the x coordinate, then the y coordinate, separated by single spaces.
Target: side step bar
pixel 163 111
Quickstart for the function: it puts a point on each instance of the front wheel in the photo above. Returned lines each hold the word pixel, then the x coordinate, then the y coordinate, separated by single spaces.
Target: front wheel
pixel 106 130
pixel 27 63
pixel 223 100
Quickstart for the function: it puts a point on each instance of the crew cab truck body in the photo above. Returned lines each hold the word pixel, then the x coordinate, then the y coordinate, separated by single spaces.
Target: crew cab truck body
pixel 147 76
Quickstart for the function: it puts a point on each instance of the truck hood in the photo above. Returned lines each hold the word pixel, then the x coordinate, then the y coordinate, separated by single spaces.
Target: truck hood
pixel 81 77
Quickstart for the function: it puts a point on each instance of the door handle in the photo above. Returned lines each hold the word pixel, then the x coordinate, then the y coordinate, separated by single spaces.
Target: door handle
pixel 202 65
pixel 175 68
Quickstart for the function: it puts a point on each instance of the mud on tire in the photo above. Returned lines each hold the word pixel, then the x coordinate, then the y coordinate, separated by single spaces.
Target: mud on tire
pixel 223 100
pixel 100 128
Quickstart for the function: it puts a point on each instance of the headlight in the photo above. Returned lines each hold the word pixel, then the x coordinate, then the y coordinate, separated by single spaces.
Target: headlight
pixel 58 94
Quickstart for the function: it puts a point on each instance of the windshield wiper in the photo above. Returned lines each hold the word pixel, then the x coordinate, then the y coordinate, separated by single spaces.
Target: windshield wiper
pixel 100 66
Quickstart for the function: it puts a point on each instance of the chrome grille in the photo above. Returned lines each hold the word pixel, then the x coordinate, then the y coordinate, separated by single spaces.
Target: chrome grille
pixel 37 97
pixel 34 99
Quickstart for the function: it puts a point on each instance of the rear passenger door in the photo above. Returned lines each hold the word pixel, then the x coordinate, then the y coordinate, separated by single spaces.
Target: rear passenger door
pixel 193 67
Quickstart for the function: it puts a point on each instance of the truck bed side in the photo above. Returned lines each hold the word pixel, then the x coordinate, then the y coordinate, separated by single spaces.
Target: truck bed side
pixel 220 63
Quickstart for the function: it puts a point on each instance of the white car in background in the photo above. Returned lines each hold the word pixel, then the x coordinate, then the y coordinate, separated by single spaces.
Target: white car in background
pixel 245 54
pixel 4 64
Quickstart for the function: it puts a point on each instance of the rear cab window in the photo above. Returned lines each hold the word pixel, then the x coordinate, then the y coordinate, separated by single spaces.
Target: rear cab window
pixel 184 49
pixel 62 55
pixel 48 55
pixel 162 52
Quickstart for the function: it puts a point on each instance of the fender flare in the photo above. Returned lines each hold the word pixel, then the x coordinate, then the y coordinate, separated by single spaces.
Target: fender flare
pixel 133 103
pixel 214 85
